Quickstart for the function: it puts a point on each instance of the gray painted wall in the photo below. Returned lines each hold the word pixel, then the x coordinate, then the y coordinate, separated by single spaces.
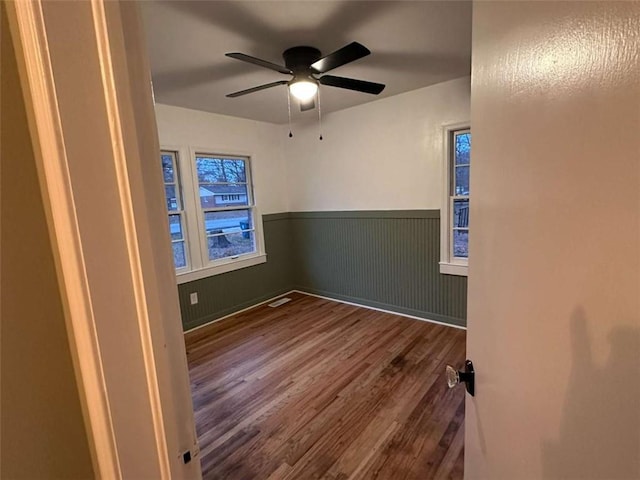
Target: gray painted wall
pixel 384 259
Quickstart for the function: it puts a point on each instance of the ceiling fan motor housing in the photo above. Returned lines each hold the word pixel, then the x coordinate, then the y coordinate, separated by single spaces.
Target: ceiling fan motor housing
pixel 299 59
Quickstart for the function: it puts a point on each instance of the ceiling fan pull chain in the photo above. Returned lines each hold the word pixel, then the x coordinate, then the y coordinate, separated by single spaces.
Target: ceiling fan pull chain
pixel 289 109
pixel 319 115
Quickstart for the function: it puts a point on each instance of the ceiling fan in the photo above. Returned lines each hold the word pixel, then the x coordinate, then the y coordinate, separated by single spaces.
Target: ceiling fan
pixel 306 65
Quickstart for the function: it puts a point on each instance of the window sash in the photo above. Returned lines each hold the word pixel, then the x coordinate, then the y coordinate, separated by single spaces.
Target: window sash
pixel 450 263
pixel 251 231
pixel 453 228
pixel 233 183
pixel 451 161
pixel 249 206
pixel 227 209
pixel 195 235
pixel 453 169
pixel 179 211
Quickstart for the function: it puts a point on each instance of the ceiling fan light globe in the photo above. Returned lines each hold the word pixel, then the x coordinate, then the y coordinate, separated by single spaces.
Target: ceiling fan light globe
pixel 303 89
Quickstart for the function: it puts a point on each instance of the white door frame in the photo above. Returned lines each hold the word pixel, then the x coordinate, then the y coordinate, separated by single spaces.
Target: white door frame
pixel 121 306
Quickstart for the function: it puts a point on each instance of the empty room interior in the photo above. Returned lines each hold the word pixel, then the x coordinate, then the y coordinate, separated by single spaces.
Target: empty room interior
pixel 332 207
pixel 236 240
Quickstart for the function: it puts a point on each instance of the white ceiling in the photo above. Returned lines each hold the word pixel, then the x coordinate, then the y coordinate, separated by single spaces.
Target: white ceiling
pixel 413 43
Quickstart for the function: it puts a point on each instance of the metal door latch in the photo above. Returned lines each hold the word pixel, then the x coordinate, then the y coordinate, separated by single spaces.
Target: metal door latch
pixel 454 377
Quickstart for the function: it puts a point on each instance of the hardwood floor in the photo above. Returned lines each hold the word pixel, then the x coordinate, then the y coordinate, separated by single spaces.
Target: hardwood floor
pixel 319 389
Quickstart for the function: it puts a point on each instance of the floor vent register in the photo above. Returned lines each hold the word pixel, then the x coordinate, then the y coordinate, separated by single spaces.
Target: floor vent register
pixel 280 301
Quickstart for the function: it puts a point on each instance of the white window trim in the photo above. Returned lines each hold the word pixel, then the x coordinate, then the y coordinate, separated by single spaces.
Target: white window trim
pixel 449 264
pixel 199 266
pixel 182 211
pixel 226 265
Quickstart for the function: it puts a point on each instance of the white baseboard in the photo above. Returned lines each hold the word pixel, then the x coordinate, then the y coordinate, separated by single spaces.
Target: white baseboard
pixel 413 317
pixel 215 320
pixel 330 299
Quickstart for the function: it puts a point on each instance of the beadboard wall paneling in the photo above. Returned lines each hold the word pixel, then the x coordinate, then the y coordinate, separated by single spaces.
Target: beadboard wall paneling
pixel 384 259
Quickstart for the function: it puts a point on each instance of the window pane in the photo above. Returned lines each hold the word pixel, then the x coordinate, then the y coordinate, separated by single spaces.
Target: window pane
pixel 172 198
pixel 224 196
pixel 220 170
pixel 227 222
pixel 230 244
pixel 235 171
pixel 462 181
pixel 219 196
pixel 461 213
pixel 179 258
pixel 175 227
pixel 461 243
pixel 462 148
pixel 209 169
pixel 167 168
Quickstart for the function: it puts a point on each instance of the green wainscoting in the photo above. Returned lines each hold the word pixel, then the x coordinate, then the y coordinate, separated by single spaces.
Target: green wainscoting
pixel 223 294
pixel 385 259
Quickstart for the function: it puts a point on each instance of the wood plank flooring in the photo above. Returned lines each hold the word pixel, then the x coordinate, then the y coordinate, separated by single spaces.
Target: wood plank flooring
pixel 316 389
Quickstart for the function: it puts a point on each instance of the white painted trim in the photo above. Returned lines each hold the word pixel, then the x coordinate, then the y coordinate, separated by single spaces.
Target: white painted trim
pixel 229 266
pixel 224 265
pixel 198 264
pixel 191 205
pixel 129 222
pixel 32 51
pixel 181 211
pixel 448 264
pixel 325 298
pixel 454 269
pixel 413 317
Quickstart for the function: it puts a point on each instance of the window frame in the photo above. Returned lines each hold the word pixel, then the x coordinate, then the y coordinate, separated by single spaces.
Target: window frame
pixel 200 266
pixel 202 211
pixel 449 263
pixel 180 211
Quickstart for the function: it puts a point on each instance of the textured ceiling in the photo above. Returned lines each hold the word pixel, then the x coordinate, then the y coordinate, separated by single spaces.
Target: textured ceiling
pixel 414 44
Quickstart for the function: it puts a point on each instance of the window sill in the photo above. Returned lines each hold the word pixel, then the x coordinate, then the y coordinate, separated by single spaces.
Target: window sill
pixel 227 266
pixel 459 269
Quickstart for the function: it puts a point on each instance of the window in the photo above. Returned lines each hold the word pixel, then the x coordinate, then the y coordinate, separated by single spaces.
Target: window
pixel 213 222
pixel 228 223
pixel 173 197
pixel 455 209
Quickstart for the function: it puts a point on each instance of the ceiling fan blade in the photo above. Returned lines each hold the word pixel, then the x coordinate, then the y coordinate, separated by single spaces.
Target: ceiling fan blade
pixel 346 54
pixel 352 84
pixel 259 62
pixel 257 89
pixel 307 105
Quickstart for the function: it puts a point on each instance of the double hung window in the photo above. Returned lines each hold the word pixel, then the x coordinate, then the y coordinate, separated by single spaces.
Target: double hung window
pixel 213 221
pixel 226 205
pixel 455 211
pixel 173 197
